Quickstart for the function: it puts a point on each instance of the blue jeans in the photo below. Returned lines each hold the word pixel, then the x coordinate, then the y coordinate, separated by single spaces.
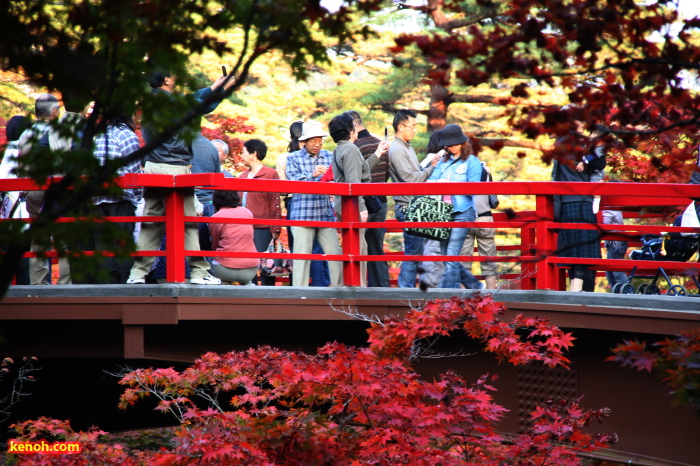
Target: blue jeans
pixel 204 235
pixel 455 273
pixel 616 250
pixel 412 246
pixel 319 273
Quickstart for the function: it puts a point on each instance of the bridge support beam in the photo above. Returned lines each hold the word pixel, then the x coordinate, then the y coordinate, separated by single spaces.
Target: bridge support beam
pixel 134 343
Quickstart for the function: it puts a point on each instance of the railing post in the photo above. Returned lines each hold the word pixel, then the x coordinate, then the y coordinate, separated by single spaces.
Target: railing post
pixel 175 236
pixel 527 269
pixel 546 244
pixel 351 240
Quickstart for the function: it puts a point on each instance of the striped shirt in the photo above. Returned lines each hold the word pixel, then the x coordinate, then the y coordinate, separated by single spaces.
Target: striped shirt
pixel 368 146
pixel 313 207
pixel 118 142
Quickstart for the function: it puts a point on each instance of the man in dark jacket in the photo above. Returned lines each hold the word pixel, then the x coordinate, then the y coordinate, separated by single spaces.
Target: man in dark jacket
pixel 172 157
pixel 378 271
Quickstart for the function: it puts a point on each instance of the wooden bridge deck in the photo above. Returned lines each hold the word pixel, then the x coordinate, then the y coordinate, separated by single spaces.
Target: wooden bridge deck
pixel 137 308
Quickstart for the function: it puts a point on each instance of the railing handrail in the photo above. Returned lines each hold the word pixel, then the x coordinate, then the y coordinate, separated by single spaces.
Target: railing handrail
pixel 217 180
pixel 533 225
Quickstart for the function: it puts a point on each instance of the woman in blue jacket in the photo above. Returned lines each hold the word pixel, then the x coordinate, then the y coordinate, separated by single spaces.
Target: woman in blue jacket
pixel 458 165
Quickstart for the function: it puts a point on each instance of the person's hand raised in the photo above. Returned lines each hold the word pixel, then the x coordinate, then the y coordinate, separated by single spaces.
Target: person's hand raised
pixel 382 148
pixel 226 81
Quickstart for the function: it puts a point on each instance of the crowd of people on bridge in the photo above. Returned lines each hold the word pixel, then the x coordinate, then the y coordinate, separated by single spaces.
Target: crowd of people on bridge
pixel 358 157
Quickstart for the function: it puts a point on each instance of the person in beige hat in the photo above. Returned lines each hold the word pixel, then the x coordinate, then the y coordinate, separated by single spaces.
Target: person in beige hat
pixel 310 164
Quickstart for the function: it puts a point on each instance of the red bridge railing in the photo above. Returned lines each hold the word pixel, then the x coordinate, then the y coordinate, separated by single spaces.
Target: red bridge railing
pixel 540 267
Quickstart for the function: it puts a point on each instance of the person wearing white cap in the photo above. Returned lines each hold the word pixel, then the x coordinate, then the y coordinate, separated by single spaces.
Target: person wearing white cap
pixel 310 164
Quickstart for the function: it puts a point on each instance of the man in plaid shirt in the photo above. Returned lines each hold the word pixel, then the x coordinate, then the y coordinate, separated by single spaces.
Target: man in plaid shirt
pixel 310 164
pixel 118 142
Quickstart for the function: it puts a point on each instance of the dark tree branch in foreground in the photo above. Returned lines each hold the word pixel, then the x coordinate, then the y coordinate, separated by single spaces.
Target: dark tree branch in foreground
pixel 40 39
pixel 18 389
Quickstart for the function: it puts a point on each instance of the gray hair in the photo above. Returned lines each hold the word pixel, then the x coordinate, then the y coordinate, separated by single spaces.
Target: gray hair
pixel 221 143
pixel 45 106
pixel 356 118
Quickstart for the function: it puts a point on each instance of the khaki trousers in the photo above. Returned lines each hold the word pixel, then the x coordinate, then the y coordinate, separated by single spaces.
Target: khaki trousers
pixel 151 233
pixel 38 267
pixel 486 240
pixel 303 243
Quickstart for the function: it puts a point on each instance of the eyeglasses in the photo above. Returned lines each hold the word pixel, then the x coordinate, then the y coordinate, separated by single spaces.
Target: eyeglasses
pixel 412 127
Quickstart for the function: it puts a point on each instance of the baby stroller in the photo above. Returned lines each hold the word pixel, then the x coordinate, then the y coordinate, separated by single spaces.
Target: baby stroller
pixel 671 247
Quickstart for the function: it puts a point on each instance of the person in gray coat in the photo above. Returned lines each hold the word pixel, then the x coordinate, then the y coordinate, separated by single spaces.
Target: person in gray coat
pixel 349 166
pixel 406 169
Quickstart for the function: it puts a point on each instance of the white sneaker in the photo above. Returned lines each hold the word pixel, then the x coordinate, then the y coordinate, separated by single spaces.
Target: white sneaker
pixel 208 280
pixel 136 281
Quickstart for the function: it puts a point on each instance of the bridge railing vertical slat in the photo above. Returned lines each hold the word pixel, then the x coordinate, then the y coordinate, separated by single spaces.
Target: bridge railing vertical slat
pixel 527 269
pixel 175 236
pixel 351 240
pixel 547 277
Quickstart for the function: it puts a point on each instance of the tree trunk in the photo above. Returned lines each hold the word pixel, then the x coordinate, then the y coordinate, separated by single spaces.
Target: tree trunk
pixel 440 99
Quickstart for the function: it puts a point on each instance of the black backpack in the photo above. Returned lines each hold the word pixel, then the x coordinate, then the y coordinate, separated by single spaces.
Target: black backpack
pixel 486 176
pixel 678 247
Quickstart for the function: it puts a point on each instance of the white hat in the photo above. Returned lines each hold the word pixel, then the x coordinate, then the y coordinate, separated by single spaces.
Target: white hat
pixel 312 129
